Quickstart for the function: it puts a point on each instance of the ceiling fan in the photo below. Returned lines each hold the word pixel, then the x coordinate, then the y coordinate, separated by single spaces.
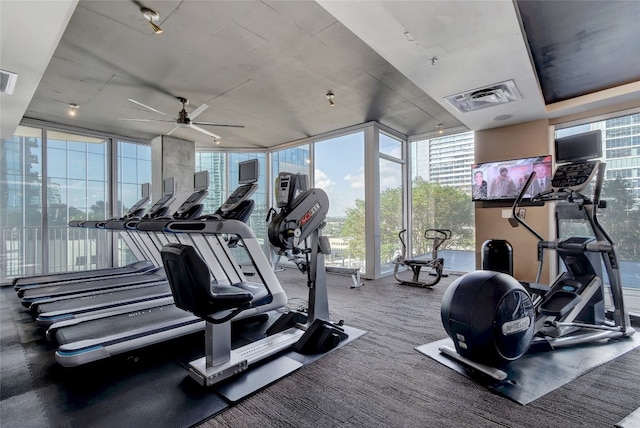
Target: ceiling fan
pixel 184 120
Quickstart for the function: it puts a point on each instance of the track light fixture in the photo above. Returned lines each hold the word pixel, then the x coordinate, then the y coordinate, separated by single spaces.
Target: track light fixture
pixel 440 130
pixel 330 98
pixel 151 15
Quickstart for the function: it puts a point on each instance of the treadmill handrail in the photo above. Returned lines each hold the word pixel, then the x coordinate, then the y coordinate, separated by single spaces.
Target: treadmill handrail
pixel 211 226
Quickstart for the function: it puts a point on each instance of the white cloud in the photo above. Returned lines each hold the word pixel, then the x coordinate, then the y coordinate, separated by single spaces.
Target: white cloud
pixel 357 181
pixel 322 180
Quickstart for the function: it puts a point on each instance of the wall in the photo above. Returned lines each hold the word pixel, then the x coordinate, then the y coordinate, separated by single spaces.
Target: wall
pixel 173 157
pixel 510 142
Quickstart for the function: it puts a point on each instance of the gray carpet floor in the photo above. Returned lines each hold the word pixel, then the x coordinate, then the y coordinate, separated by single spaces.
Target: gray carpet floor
pixel 380 380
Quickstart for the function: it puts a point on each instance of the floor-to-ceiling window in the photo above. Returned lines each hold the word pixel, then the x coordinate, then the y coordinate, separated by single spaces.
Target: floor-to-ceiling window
pixel 216 164
pixel 339 170
pixel 441 197
pixel 257 221
pixel 21 203
pixel 77 189
pixel 50 177
pixel 134 168
pixel 621 191
pixel 223 180
pixel 391 199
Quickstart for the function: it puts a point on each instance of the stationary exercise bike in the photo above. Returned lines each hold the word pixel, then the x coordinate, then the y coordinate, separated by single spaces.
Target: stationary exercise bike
pixel 438 236
pixel 218 303
pixel 516 318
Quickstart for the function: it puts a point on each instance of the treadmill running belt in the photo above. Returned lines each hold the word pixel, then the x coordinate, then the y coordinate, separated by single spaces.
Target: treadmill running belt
pixel 151 317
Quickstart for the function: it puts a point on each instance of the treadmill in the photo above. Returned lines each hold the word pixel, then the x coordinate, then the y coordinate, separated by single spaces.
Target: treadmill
pixel 101 335
pixel 63 307
pixel 135 267
pixel 38 293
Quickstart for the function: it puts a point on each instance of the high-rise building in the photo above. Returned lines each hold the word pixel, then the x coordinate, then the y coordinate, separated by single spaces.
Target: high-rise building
pixel 444 160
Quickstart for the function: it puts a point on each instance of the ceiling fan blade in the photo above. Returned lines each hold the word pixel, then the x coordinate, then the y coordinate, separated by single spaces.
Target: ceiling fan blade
pixel 204 131
pixel 145 120
pixel 199 110
pixel 217 124
pixel 173 130
pixel 147 107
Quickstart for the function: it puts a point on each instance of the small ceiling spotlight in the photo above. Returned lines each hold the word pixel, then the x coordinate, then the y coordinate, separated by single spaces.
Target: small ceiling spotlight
pixel 151 15
pixel 439 127
pixel 73 109
pixel 330 98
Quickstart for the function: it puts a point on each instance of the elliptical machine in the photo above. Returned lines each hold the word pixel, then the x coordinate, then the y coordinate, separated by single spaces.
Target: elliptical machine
pixel 516 318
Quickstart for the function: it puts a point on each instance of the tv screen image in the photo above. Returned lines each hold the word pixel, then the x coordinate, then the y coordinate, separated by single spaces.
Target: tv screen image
pixel 503 180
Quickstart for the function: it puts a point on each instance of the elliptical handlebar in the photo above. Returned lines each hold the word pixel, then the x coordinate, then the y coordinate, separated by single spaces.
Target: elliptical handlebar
pixel 517 203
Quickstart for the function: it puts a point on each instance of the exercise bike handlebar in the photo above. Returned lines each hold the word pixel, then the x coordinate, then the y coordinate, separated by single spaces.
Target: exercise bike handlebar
pixel 444 234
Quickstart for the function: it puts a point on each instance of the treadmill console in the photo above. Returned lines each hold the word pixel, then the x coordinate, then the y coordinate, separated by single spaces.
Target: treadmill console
pixel 192 200
pixel 574 176
pixel 242 193
pixel 159 206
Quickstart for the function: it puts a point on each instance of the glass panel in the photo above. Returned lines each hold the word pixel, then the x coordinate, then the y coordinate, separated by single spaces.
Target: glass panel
pixel 293 159
pixel 621 190
pixel 215 163
pixel 70 195
pixel 134 169
pixel 21 203
pixel 339 171
pixel 441 198
pixel 390 212
pixel 256 221
pixel 390 146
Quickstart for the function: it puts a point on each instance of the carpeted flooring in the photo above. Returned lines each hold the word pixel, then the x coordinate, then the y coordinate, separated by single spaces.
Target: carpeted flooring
pixel 381 381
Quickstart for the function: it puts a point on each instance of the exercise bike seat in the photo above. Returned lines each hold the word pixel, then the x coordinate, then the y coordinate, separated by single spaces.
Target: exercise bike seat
pixel 191 284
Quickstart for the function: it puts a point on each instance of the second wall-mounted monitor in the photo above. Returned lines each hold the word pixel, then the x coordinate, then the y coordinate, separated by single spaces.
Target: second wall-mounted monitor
pixel 579 147
pixel 248 171
pixel 200 181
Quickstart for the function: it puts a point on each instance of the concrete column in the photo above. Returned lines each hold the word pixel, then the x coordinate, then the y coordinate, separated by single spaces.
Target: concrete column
pixel 173 157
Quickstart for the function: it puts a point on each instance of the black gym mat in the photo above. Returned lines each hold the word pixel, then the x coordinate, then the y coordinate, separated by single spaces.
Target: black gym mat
pixel 148 387
pixel 534 375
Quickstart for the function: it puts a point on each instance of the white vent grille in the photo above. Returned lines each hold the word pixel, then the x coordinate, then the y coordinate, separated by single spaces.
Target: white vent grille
pixel 7 81
pixel 489 96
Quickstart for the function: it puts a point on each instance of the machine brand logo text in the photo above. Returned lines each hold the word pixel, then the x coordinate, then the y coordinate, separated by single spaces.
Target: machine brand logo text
pixel 305 218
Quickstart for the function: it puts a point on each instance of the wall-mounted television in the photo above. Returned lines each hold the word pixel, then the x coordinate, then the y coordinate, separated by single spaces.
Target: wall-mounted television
pixel 503 180
pixel 579 147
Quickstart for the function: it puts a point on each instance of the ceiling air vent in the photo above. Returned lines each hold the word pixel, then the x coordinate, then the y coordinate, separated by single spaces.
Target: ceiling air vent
pixel 492 95
pixel 7 81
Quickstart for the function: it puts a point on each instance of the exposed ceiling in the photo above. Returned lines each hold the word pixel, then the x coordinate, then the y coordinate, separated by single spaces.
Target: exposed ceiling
pixel 268 65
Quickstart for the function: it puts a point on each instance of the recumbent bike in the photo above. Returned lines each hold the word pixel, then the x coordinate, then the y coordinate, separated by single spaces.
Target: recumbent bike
pixel 308 332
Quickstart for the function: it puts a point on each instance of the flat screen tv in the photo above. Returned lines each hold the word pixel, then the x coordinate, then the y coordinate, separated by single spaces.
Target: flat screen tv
pixel 503 180
pixel 579 147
